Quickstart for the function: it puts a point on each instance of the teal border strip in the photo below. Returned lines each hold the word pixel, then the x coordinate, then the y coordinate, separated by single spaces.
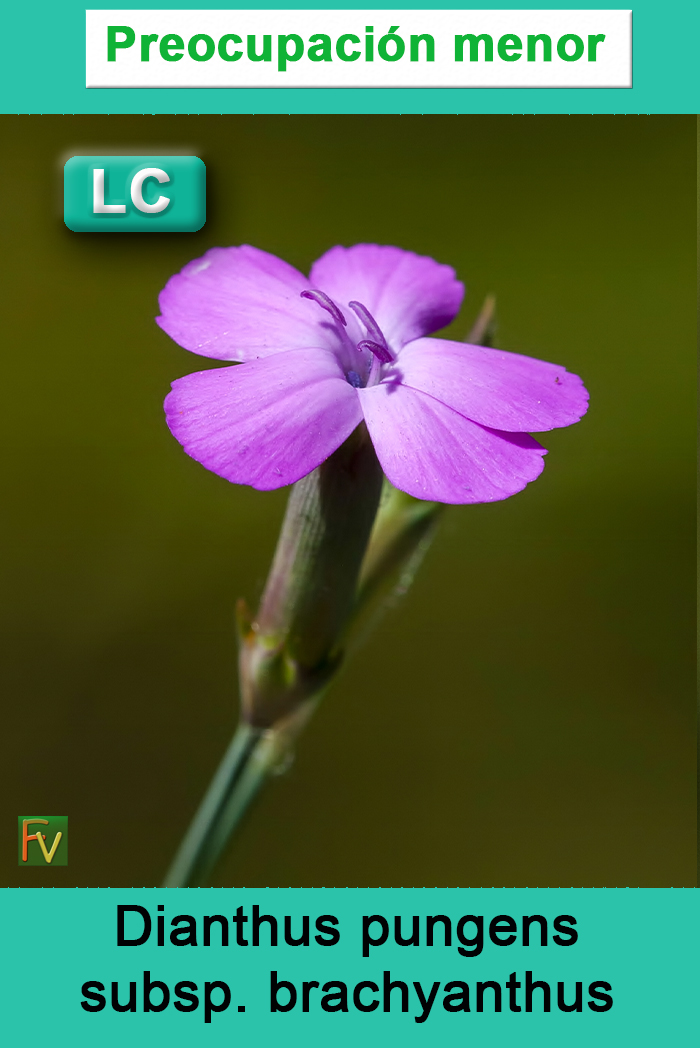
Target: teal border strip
pixel 641 942
pixel 44 69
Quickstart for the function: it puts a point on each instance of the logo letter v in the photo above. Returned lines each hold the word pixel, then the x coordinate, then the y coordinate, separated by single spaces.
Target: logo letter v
pixel 48 855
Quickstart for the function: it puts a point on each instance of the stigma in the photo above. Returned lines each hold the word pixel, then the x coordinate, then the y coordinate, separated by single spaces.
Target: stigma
pixel 368 369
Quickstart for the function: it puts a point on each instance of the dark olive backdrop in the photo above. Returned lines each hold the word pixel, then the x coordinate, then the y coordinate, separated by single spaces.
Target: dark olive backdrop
pixel 526 716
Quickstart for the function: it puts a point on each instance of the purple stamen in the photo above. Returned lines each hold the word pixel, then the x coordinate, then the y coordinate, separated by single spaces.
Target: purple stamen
pixel 354 379
pixel 327 303
pixel 373 330
pixel 381 352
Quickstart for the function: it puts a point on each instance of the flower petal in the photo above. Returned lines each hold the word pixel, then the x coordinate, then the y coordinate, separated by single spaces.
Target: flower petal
pixel 429 451
pixel 502 390
pixel 266 423
pixel 240 303
pixel 408 295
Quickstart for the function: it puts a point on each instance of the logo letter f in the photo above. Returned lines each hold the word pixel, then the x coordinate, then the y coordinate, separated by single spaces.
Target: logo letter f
pixel 26 838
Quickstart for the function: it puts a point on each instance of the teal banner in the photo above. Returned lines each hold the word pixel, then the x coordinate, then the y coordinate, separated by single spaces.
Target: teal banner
pixel 44 71
pixel 381 966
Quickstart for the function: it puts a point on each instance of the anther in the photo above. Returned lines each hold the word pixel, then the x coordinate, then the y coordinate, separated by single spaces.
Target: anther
pixel 327 303
pixel 373 329
pixel 354 379
pixel 381 352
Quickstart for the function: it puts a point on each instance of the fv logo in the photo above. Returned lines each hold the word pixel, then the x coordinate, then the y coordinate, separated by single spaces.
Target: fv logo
pixel 43 840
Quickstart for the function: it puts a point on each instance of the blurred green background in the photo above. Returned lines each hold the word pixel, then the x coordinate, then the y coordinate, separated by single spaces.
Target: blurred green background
pixel 526 715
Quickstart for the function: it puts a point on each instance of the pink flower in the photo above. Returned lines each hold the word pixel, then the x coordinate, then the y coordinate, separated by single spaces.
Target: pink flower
pixel 449 421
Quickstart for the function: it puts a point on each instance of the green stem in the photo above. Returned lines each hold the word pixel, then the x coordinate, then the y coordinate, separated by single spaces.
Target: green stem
pixel 252 756
pixel 244 767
